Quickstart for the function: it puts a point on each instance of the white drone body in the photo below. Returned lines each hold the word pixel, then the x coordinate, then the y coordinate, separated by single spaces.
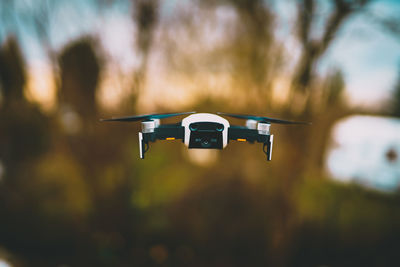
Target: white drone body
pixel 200 118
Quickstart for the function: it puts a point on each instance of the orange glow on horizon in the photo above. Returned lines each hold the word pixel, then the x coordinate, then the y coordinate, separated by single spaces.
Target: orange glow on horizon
pixel 40 87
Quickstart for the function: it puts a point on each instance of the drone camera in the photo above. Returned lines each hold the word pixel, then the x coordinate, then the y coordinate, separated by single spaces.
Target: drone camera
pixel 206 135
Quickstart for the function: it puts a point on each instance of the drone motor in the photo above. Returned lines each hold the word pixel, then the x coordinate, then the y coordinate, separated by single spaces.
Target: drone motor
pixel 251 124
pixel 263 128
pixel 148 126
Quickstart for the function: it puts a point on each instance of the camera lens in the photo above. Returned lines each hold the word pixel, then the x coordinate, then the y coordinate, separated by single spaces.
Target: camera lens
pixel 193 127
pixel 205 142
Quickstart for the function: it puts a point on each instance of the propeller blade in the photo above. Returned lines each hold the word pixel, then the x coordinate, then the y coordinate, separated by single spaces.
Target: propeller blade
pixel 147 116
pixel 261 119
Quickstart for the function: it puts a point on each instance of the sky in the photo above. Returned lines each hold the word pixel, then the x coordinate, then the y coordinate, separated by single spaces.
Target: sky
pixel 365 150
pixel 367 54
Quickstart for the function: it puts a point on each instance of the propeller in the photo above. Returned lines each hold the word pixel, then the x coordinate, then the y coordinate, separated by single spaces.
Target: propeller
pixel 261 119
pixel 147 117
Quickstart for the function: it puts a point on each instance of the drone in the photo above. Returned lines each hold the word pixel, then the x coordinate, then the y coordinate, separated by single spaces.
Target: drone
pixel 204 130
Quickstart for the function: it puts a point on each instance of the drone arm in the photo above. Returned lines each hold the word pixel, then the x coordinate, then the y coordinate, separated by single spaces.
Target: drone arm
pixel 269 145
pixel 163 132
pixel 244 134
pixel 142 145
pixel 169 132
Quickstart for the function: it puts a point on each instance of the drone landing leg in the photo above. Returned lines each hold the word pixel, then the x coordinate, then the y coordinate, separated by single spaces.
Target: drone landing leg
pixel 143 146
pixel 269 144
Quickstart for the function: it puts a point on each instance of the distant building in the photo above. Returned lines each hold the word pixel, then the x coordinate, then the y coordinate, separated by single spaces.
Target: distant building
pixel 366 150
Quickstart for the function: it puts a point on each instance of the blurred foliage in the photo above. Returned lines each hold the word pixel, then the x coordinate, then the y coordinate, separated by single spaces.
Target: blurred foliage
pixel 73 192
pixel 394 106
pixel 80 70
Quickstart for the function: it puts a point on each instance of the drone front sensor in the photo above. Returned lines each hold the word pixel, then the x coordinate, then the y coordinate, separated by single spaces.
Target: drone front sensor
pixel 205 130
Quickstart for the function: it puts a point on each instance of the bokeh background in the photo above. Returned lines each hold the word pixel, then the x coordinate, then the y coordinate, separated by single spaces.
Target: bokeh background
pixel 73 191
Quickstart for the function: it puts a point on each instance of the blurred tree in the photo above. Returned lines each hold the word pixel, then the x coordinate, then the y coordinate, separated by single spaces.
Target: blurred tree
pixel 12 73
pixel 388 22
pixel 307 100
pixel 392 25
pixel 334 88
pixel 40 19
pixel 395 105
pixel 17 16
pixel 23 134
pixel 331 107
pixel 313 47
pixel 225 47
pixel 80 69
pixel 25 137
pixel 255 56
pixel 145 15
pixel 103 161
pixel 23 18
pixel 7 19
